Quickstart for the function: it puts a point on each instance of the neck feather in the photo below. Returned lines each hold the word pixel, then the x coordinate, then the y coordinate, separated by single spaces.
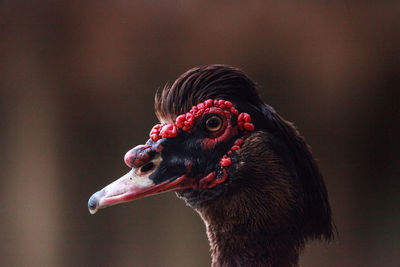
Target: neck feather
pixel 240 236
pixel 263 217
pixel 254 223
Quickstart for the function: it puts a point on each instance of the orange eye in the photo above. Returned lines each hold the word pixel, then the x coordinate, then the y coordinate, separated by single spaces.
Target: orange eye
pixel 214 124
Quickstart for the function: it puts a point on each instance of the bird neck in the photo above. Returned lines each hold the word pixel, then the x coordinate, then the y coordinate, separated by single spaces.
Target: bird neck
pixel 240 236
pixel 254 222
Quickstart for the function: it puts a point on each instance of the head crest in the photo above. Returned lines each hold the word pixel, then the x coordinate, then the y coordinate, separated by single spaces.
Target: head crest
pixel 208 82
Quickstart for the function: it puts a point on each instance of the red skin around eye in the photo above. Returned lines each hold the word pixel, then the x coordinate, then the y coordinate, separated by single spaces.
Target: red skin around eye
pixel 186 122
pixel 229 132
pixel 223 135
pixel 208 103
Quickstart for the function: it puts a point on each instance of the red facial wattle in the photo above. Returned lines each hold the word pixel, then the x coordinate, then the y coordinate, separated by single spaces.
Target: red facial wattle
pixel 145 159
pixel 163 131
pixel 244 122
pixel 187 123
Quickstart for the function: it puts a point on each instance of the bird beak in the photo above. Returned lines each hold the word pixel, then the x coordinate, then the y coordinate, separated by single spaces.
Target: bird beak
pixel 131 186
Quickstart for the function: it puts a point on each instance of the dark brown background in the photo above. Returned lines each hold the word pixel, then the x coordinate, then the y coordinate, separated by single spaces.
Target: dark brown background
pixel 77 81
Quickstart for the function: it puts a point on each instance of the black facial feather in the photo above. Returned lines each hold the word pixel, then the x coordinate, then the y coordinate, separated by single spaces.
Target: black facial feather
pixel 177 152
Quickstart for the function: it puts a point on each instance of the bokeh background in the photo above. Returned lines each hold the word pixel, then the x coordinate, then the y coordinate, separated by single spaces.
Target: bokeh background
pixel 77 81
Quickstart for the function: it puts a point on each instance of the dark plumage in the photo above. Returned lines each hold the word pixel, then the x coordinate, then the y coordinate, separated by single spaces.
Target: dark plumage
pixel 253 181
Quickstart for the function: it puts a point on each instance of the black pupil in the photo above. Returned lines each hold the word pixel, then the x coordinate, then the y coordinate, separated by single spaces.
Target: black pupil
pixel 213 123
pixel 147 167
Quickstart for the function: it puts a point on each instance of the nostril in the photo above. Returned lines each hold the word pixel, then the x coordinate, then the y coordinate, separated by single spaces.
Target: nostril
pixel 147 167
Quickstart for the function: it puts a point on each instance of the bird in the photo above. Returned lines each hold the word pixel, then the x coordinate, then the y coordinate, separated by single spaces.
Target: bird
pixel 247 172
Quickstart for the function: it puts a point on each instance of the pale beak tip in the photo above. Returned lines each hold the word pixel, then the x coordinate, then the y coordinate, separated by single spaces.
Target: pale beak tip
pixel 93 204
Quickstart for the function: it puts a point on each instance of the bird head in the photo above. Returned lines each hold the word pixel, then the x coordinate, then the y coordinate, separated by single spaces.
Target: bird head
pixel 192 152
pixel 216 137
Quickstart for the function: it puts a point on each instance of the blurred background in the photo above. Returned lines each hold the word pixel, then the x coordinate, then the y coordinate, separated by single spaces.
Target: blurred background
pixel 77 81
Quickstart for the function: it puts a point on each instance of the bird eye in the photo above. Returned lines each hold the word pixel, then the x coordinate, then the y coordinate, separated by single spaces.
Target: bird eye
pixel 213 124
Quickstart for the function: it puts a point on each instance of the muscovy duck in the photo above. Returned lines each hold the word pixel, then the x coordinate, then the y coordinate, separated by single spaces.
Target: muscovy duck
pixel 240 165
